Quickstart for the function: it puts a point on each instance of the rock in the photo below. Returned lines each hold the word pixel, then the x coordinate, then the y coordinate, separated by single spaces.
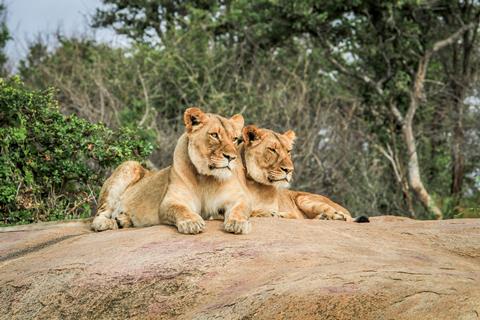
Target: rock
pixel 391 268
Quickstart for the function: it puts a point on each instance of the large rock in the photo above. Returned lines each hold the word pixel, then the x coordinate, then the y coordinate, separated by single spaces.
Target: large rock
pixel 391 268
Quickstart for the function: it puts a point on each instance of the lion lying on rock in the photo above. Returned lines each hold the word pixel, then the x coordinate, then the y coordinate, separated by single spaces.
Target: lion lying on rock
pixel 213 175
pixel 266 156
pixel 205 181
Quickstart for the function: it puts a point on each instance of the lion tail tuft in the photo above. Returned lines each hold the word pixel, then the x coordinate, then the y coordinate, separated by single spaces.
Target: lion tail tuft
pixel 361 219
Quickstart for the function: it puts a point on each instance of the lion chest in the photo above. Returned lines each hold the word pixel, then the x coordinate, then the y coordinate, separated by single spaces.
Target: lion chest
pixel 216 201
pixel 214 205
pixel 264 198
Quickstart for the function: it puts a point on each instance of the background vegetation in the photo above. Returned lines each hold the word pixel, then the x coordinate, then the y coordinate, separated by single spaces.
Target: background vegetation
pixel 383 96
pixel 53 165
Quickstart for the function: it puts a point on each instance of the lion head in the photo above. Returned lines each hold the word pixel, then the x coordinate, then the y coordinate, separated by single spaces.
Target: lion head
pixel 267 156
pixel 213 142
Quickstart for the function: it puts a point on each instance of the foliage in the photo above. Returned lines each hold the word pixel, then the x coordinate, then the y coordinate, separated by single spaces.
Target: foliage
pixel 151 20
pixel 288 64
pixel 52 165
pixel 4 38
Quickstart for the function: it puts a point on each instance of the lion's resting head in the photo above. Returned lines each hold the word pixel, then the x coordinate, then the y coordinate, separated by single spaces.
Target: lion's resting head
pixel 267 156
pixel 213 142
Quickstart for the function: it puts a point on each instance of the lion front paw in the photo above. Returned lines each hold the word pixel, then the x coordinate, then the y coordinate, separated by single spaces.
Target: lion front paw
pixel 101 223
pixel 123 221
pixel 191 226
pixel 237 226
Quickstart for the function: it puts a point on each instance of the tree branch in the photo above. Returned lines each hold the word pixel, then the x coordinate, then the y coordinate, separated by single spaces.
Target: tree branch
pixel 147 100
pixel 453 37
pixel 362 77
pixel 418 92
pixel 396 113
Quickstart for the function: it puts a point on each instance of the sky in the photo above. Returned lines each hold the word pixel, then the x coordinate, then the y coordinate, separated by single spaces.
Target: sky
pixel 26 19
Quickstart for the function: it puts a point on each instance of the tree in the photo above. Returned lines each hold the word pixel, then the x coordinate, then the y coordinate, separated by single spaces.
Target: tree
pixel 460 67
pixel 393 92
pixel 386 47
pixel 4 38
pixel 149 20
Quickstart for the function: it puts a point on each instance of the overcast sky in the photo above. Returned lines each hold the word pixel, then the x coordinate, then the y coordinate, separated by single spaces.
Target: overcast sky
pixel 28 18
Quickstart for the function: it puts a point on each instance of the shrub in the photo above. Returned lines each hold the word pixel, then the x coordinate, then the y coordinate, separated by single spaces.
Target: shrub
pixel 52 165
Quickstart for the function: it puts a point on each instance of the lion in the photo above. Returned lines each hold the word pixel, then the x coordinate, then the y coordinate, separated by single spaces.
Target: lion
pixel 205 181
pixel 266 157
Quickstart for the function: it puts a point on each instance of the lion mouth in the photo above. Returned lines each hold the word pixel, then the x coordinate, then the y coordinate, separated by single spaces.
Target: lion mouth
pixel 212 167
pixel 277 180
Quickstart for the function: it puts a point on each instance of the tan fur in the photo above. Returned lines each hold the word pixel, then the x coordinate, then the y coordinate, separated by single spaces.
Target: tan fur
pixel 205 181
pixel 269 168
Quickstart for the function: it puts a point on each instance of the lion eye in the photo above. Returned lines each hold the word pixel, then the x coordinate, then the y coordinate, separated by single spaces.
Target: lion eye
pixel 289 151
pixel 214 135
pixel 237 140
pixel 272 150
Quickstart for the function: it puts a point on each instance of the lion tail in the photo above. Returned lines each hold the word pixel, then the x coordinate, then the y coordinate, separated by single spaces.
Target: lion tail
pixel 361 219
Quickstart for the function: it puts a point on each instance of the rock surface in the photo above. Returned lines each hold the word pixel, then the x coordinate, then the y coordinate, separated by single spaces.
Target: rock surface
pixel 392 268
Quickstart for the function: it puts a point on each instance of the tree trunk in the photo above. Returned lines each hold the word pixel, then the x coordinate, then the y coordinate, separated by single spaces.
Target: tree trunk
pixel 457 151
pixel 459 86
pixel 413 167
pixel 416 96
pixel 414 178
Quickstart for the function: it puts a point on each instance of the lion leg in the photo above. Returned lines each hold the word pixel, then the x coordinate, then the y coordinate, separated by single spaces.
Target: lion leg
pixel 316 207
pixel 236 221
pixel 289 215
pixel 261 213
pixel 186 221
pixel 109 215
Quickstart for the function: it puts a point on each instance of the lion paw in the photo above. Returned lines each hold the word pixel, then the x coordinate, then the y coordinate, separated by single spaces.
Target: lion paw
pixel 283 214
pixel 276 214
pixel 123 221
pixel 101 223
pixel 336 215
pixel 191 226
pixel 237 226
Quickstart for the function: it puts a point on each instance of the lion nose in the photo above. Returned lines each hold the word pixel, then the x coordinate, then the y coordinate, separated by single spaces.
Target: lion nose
pixel 229 157
pixel 286 169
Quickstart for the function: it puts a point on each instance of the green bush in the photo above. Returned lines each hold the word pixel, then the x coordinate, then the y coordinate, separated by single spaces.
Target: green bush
pixel 52 165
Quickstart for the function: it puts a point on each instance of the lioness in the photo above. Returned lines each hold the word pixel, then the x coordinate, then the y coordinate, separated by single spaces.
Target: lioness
pixel 205 181
pixel 266 156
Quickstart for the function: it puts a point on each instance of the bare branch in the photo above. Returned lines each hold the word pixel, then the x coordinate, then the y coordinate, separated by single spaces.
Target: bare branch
pixel 453 37
pixel 396 113
pixel 147 100
pixel 389 155
pixel 362 77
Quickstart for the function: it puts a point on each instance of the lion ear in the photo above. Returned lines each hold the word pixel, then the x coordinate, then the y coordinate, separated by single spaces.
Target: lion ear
pixel 251 134
pixel 194 118
pixel 238 121
pixel 290 135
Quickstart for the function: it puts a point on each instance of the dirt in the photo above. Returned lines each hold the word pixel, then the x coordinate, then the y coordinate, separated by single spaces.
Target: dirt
pixel 391 268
